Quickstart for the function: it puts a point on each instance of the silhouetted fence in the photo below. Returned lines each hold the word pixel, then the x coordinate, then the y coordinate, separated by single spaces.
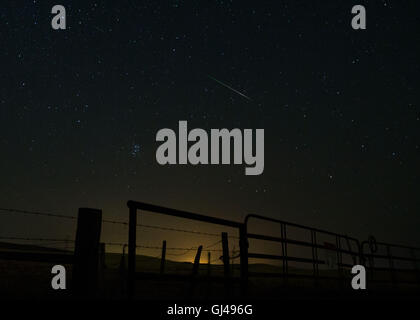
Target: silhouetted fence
pixel 314 244
pixel 391 264
pixel 386 263
pixel 132 275
pixel 335 255
pixel 85 259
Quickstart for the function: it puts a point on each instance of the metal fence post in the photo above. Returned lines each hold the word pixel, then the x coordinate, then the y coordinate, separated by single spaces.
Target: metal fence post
pixel 243 243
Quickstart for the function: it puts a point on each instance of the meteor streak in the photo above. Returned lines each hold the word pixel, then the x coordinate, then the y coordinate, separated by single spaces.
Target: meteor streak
pixel 229 87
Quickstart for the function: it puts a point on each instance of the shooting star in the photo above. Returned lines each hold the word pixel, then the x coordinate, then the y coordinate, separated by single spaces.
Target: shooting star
pixel 229 87
pixel 99 29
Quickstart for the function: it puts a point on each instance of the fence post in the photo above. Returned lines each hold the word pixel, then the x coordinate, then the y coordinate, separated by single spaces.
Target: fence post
pixel 86 252
pixel 162 260
pixel 225 247
pixel 197 261
pixel 225 257
pixel 132 251
pixel 243 243
pixel 195 270
pixel 208 263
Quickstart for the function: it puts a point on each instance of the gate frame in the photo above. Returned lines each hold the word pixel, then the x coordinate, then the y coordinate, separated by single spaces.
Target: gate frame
pixel 358 255
pixel 313 245
pixel 135 206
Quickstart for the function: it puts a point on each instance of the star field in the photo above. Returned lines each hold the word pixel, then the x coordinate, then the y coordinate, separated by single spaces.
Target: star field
pixel 80 109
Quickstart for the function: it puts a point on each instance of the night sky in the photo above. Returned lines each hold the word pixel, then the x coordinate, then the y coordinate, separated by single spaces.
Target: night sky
pixel 80 108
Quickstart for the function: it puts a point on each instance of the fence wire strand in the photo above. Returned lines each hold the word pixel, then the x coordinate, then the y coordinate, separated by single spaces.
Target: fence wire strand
pixel 5 210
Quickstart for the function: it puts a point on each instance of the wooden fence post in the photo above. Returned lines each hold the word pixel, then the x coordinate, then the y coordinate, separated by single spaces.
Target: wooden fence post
pixel 208 272
pixel 86 252
pixel 132 228
pixel 195 270
pixel 197 261
pixel 208 263
pixel 162 260
pixel 226 268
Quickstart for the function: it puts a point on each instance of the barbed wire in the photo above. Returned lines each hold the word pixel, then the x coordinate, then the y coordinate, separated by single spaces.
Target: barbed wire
pixel 177 254
pixel 36 239
pixel 167 228
pixel 212 245
pixel 158 247
pixel 4 210
pixel 54 242
pixel 66 242
pixel 62 242
pixel 216 259
pixel 187 251
pixel 43 243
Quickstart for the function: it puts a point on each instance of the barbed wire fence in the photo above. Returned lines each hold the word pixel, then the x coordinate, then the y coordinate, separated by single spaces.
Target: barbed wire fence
pixel 67 244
